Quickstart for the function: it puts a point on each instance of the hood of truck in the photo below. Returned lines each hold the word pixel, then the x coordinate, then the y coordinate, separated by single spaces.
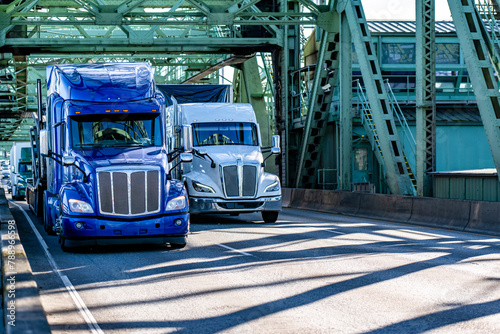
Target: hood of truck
pixel 222 154
pixel 110 156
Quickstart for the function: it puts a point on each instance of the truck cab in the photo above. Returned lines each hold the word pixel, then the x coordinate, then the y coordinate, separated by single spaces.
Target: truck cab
pixel 21 168
pixel 227 172
pixel 106 168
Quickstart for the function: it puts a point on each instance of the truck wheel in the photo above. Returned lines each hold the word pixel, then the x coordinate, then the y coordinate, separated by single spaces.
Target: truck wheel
pixel 270 216
pixel 177 246
pixel 62 241
pixel 47 221
pixel 39 202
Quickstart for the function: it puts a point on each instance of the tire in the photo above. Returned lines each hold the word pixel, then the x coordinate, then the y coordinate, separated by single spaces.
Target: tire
pixel 177 246
pixel 270 216
pixel 39 202
pixel 47 221
pixel 62 241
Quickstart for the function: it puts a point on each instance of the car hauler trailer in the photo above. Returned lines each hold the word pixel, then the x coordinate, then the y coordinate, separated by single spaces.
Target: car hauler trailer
pixel 227 172
pixel 101 166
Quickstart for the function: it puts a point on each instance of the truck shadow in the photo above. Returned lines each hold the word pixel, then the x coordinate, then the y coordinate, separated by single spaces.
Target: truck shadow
pixel 226 219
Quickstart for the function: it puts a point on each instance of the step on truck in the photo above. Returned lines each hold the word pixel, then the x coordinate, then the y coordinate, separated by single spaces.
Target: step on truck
pixel 227 172
pixel 101 161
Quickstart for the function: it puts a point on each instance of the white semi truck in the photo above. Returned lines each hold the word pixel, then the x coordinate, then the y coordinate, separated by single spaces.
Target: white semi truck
pixel 20 168
pixel 227 172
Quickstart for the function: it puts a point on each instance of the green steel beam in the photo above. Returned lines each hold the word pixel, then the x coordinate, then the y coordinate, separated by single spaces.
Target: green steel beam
pixel 397 175
pixel 325 81
pixel 425 95
pixel 481 70
pixel 345 164
pixel 255 96
pixel 287 61
pixel 233 60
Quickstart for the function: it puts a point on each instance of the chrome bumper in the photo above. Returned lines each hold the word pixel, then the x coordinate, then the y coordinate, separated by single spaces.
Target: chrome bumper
pixel 218 205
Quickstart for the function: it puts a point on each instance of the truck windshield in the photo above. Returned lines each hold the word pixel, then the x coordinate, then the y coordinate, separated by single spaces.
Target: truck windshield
pixel 25 168
pixel 124 130
pixel 228 133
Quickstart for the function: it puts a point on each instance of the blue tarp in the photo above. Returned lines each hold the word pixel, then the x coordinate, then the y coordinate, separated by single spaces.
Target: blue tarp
pixel 101 82
pixel 196 93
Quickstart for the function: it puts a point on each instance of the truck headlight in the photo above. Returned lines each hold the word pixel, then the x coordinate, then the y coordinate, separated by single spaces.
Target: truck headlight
pixel 275 186
pixel 80 206
pixel 177 203
pixel 200 187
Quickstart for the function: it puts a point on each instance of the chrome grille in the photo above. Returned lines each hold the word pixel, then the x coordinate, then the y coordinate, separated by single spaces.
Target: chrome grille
pixel 124 192
pixel 239 180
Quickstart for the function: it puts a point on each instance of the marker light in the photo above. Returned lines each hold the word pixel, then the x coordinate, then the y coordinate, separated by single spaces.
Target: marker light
pixel 80 206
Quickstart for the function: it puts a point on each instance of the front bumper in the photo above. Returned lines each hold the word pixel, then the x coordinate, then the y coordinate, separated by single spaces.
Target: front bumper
pixel 101 231
pixel 218 205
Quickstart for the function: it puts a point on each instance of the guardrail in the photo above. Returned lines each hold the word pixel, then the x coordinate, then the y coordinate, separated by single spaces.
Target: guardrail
pixel 462 215
pixel 22 309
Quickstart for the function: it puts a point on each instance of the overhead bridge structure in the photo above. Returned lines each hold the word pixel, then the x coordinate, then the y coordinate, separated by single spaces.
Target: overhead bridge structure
pixel 323 77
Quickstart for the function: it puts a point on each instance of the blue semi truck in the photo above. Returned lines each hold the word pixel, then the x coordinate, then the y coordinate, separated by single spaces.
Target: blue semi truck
pixel 100 159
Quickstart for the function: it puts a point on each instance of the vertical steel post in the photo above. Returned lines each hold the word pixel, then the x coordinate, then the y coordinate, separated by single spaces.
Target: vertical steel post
pixel 345 105
pixel 425 95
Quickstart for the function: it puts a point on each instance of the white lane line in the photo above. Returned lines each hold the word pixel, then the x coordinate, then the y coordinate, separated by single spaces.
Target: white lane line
pixel 235 250
pixel 89 318
pixel 335 232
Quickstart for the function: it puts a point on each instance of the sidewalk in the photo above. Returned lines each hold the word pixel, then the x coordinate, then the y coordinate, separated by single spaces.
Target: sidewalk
pixel 22 311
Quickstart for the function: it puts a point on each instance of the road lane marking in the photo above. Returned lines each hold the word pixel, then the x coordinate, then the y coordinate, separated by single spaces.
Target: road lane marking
pixel 89 318
pixel 335 232
pixel 235 250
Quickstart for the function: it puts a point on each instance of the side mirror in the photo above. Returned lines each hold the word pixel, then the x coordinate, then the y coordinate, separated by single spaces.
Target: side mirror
pixel 68 160
pixel 202 151
pixel 186 157
pixel 187 138
pixel 275 149
pixel 44 142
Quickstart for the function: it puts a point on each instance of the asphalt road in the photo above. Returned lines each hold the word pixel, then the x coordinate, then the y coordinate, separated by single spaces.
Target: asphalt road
pixel 308 273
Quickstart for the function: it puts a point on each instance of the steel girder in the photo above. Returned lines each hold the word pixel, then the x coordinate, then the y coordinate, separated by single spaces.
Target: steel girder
pixel 425 96
pixel 325 81
pixel 172 26
pixel 481 70
pixel 395 163
pixel 345 124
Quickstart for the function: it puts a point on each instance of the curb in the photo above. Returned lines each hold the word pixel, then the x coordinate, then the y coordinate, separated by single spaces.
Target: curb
pixel 21 305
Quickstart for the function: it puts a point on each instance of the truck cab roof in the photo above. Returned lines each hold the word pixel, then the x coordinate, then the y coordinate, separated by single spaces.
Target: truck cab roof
pixel 101 82
pixel 217 112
